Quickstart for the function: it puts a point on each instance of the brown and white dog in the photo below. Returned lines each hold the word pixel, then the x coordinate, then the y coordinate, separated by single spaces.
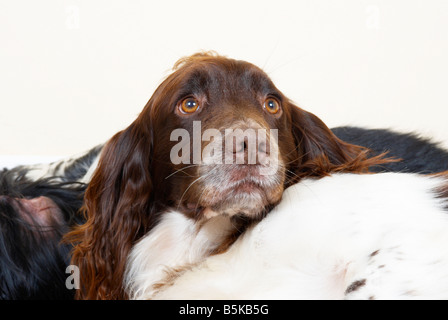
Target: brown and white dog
pixel 192 197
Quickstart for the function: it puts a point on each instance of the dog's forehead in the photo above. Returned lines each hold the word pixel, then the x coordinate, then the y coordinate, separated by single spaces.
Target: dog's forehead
pixel 228 77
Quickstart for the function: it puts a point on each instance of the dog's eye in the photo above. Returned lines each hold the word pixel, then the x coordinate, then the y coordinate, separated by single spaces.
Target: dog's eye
pixel 272 105
pixel 189 105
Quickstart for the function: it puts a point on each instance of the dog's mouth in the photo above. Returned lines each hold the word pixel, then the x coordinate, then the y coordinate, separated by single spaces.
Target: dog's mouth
pixel 239 190
pixel 247 187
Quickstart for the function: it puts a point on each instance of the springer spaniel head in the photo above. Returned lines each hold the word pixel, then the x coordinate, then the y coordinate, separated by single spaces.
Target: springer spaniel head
pixel 217 138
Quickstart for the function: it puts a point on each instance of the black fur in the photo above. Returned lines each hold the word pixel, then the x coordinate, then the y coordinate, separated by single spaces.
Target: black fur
pixel 79 167
pixel 32 260
pixel 419 155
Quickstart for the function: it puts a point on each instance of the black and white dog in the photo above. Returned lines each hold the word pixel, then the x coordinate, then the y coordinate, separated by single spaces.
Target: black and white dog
pixel 39 204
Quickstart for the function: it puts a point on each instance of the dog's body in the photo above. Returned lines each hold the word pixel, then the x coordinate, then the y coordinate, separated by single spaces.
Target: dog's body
pixel 34 215
pixel 380 236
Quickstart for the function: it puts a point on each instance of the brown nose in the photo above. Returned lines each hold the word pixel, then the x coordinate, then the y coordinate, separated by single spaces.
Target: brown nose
pixel 248 146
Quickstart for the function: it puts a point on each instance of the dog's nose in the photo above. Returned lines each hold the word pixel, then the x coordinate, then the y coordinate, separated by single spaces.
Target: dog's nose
pixel 241 144
pixel 244 143
pixel 248 146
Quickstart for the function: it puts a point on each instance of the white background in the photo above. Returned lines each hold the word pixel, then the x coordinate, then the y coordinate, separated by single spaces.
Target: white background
pixel 74 72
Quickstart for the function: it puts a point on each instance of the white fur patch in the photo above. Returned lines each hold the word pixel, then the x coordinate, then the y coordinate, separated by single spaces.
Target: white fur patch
pixel 175 242
pixel 56 170
pixel 382 236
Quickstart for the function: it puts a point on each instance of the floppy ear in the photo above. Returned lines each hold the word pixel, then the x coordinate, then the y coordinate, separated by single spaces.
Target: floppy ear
pixel 117 206
pixel 320 152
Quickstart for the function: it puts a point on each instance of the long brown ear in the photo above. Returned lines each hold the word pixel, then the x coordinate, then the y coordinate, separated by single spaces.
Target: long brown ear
pixel 321 153
pixel 117 206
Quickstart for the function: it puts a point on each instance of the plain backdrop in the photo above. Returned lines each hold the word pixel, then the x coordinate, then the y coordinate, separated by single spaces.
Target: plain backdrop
pixel 75 72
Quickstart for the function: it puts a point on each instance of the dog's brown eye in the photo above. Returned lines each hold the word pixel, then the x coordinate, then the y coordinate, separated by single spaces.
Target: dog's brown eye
pixel 189 105
pixel 272 105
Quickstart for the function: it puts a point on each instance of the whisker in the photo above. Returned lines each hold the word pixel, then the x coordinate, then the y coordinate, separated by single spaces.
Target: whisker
pixel 196 180
pixel 291 176
pixel 184 168
pixel 199 200
pixel 296 148
pixel 299 158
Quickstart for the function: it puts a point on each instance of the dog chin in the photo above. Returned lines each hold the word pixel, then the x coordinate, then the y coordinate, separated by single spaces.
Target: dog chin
pixel 251 206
